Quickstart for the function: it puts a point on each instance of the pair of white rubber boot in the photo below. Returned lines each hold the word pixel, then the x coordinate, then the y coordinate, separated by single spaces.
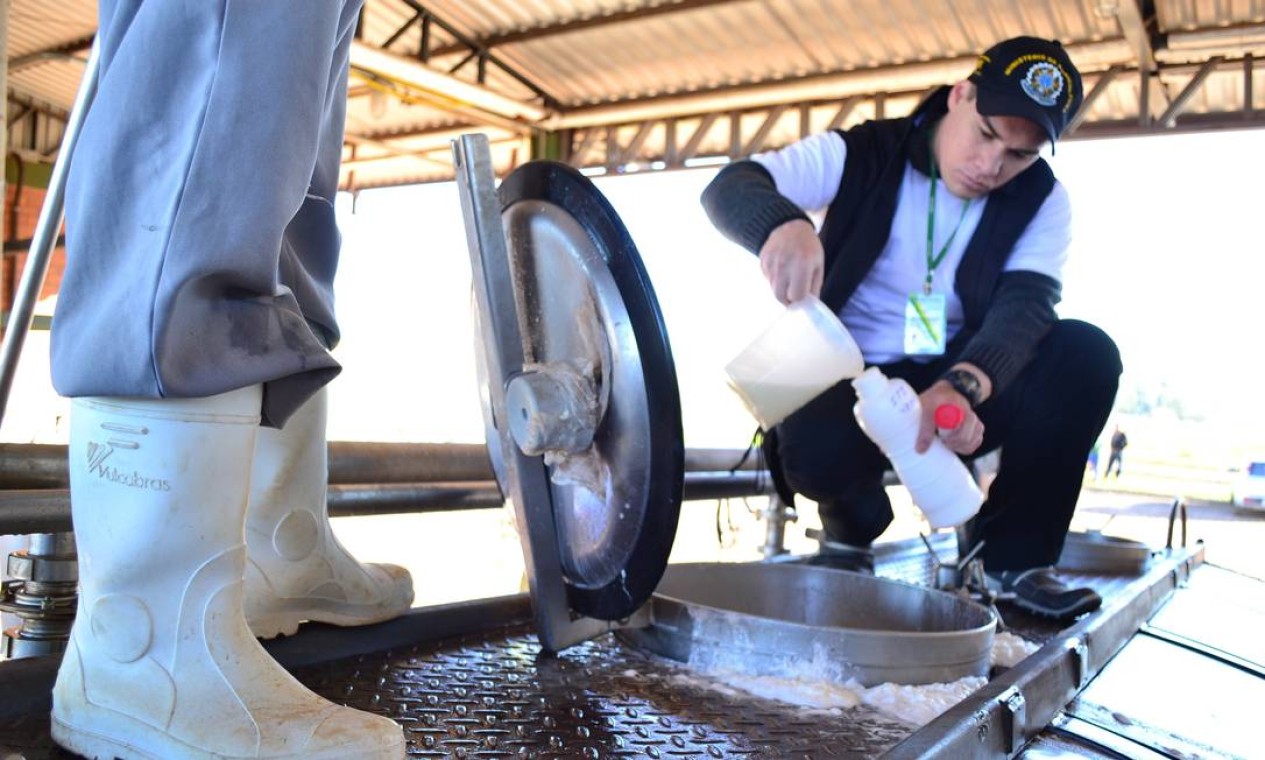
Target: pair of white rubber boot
pixel 178 577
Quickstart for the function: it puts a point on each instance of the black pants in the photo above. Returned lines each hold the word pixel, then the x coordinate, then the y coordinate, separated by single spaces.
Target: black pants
pixel 1046 421
pixel 1116 459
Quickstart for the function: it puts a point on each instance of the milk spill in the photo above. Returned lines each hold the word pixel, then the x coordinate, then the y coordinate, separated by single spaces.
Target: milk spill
pixel 915 705
pixel 1009 650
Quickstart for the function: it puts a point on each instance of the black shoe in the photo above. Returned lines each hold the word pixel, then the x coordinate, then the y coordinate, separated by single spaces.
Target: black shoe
pixel 840 556
pixel 1039 591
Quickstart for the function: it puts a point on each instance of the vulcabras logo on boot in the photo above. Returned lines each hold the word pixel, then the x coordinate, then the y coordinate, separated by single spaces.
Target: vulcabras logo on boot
pixel 98 453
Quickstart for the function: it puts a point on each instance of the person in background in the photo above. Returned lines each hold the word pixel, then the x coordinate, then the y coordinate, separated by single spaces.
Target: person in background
pixel 942 251
pixel 197 306
pixel 1116 458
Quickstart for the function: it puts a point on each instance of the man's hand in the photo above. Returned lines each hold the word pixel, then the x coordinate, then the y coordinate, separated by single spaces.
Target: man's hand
pixel 963 439
pixel 793 261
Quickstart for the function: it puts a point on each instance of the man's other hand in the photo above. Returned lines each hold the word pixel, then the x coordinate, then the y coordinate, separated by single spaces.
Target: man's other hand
pixel 963 439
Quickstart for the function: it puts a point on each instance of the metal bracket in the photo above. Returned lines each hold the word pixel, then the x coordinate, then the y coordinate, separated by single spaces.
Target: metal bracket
pixel 1079 651
pixel 1179 508
pixel 1016 718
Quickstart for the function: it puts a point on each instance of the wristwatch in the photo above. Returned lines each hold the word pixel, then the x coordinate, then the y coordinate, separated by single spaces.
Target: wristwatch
pixel 965 382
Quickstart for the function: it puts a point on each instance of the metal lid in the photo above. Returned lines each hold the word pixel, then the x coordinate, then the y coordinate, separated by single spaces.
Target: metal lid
pixel 585 390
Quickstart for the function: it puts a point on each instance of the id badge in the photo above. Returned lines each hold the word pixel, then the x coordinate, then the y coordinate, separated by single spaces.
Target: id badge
pixel 925 324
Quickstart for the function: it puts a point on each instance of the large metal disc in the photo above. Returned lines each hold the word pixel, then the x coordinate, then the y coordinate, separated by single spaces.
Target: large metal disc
pixel 587 305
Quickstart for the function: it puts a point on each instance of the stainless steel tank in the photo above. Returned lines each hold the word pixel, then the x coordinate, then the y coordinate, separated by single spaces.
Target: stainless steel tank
pixel 807 622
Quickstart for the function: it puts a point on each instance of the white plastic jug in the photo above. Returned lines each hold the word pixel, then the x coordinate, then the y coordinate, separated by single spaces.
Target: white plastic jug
pixel 805 351
pixel 889 412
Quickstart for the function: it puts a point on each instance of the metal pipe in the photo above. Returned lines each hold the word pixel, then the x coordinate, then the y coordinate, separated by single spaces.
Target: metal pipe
pixel 776 515
pixel 1228 40
pixel 423 77
pixel 47 510
pixel 36 465
pixel 45 237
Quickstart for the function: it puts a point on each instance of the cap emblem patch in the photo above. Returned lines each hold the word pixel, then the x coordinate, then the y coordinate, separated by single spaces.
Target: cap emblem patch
pixel 1043 83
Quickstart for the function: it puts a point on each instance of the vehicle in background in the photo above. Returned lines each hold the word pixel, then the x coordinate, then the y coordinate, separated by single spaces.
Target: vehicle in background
pixel 1247 485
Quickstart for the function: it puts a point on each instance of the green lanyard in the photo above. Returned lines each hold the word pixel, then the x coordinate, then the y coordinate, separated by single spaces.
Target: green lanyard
pixel 933 261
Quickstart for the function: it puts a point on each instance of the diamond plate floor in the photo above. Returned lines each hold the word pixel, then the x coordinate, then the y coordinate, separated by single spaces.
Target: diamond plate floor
pixel 494 696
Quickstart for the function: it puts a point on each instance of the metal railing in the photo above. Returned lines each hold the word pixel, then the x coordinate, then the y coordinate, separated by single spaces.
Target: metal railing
pixel 364 479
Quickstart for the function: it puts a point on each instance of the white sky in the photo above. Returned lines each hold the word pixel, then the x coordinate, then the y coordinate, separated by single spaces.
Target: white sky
pixel 1167 257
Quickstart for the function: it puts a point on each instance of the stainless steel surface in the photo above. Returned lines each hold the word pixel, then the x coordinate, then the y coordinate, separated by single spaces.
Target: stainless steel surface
pixel 1133 696
pixel 1068 737
pixel 500 320
pixel 581 388
pixel 45 238
pixel 982 726
pixel 1221 609
pixel 798 621
pixel 467 680
pixel 491 423
pixel 579 326
pixel 1093 552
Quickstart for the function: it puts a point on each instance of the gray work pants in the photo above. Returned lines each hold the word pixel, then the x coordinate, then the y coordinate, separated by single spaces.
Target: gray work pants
pixel 200 230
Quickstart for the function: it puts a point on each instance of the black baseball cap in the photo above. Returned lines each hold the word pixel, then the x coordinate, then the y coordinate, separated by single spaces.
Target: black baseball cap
pixel 1031 78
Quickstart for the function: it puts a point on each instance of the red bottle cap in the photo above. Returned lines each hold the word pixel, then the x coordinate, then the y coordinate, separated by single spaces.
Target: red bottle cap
pixel 949 416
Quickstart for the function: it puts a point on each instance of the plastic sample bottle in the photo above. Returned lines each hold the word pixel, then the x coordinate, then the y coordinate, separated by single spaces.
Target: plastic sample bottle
pixel 889 412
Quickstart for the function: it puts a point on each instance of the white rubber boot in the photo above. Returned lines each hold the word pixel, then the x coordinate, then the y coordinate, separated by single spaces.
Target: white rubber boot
pixel 297 570
pixel 160 662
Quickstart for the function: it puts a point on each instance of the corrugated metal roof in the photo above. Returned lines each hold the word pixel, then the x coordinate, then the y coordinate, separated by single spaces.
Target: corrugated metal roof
pixel 1189 15
pixel 661 82
pixel 40 66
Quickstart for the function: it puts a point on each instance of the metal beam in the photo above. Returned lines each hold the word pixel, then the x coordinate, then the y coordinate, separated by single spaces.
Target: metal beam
pixel 410 81
pixel 770 121
pixel 588 136
pixel 38 106
pixel 1169 117
pixel 1249 107
pixel 583 23
pixel 629 152
pixel 845 110
pixel 65 51
pixel 1104 81
pixel 1190 124
pixel 470 44
pixel 419 152
pixel 696 139
pixel 818 87
pixel 1136 28
pixel 417 16
pixel 1084 125
pixel 393 150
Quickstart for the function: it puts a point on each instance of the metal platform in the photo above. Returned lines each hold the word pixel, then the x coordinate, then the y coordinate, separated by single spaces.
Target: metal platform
pixel 470 681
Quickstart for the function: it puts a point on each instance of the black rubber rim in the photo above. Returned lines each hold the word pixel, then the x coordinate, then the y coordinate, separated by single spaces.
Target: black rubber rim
pixel 566 188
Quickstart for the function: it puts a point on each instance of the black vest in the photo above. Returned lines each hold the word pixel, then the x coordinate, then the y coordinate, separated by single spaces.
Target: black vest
pixel 859 219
